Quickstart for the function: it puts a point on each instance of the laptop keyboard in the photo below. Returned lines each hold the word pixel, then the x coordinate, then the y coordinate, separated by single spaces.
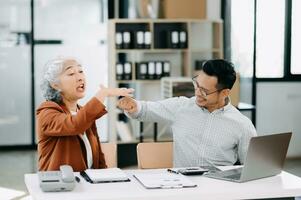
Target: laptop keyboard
pixel 234 176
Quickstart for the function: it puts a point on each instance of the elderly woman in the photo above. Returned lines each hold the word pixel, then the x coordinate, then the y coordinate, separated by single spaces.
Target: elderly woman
pixel 66 131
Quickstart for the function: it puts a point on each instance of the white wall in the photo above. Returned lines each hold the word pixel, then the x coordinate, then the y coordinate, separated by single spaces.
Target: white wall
pixel 279 110
pixel 73 21
pixel 15 15
pixel 213 9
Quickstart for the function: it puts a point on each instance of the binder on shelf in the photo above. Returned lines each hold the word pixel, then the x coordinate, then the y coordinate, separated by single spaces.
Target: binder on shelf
pixel 159 71
pixel 198 65
pixel 147 39
pixel 166 68
pixel 151 70
pixel 174 39
pixel 139 41
pixel 118 40
pixel 183 39
pixel 119 71
pixel 141 71
pixel 127 66
pixel 126 40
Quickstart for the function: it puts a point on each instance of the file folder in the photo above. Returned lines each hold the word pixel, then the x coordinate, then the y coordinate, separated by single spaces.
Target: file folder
pixel 104 175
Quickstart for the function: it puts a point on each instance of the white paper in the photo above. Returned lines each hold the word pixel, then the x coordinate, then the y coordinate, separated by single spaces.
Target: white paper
pixel 109 174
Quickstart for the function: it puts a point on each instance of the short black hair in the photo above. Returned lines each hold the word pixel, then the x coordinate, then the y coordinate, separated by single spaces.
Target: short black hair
pixel 223 70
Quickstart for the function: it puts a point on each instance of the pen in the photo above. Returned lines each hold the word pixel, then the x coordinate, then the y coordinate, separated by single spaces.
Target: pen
pixel 86 177
pixel 172 186
pixel 172 171
pixel 77 179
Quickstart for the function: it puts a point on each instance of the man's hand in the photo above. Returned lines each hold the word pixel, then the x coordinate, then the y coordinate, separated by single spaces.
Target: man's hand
pixel 128 104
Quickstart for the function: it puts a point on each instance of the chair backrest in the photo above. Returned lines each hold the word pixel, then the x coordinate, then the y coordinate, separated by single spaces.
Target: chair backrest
pixel 155 155
pixel 110 152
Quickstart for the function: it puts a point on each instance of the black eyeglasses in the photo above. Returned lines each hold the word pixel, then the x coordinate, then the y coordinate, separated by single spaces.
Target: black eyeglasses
pixel 201 90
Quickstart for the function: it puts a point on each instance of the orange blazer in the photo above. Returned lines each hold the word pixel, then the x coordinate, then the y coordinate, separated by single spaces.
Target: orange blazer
pixel 59 139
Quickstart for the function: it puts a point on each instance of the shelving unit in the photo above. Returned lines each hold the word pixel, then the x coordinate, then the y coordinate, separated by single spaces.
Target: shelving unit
pixel 204 41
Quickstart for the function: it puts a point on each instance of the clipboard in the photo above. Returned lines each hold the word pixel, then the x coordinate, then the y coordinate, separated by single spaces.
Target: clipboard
pixel 164 180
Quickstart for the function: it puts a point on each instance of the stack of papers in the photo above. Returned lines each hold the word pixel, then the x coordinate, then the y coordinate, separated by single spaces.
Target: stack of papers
pixel 164 180
pixel 104 175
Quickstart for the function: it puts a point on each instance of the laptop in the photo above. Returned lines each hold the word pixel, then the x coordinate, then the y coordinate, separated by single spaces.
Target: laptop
pixel 265 157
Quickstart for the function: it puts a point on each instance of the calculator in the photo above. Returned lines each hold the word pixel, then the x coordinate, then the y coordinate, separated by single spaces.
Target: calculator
pixel 193 171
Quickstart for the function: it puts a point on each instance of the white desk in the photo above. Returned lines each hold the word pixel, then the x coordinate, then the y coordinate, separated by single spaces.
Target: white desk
pixel 282 185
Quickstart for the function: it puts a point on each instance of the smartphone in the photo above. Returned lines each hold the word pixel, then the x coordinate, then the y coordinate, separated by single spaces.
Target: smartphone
pixel 193 171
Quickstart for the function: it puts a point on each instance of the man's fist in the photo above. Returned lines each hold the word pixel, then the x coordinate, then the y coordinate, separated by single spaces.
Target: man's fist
pixel 128 104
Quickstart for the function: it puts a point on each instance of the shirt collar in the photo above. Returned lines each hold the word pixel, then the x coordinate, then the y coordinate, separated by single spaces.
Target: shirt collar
pixel 222 109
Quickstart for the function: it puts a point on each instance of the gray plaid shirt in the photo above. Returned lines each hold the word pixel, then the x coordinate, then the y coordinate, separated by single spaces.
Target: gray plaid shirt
pixel 200 137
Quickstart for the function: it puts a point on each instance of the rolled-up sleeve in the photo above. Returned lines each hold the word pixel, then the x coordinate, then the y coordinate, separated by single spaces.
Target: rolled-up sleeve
pixel 248 132
pixel 158 111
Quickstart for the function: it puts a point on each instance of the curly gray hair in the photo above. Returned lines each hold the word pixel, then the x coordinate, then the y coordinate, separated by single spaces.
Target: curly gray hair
pixel 52 70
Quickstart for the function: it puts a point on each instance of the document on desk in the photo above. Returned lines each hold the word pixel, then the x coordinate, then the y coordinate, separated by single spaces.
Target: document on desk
pixel 163 180
pixel 104 175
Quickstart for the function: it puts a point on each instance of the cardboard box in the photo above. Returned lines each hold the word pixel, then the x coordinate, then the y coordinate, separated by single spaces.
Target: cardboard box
pixel 234 93
pixel 192 9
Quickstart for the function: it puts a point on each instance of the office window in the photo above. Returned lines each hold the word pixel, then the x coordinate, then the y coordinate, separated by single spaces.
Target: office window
pixel 296 37
pixel 242 36
pixel 270 38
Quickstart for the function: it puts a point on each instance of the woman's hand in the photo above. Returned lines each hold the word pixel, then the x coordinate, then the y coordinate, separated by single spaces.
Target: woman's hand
pixel 115 92
pixel 104 92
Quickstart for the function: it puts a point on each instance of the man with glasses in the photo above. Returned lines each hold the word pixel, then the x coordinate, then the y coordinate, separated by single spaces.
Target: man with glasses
pixel 207 129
